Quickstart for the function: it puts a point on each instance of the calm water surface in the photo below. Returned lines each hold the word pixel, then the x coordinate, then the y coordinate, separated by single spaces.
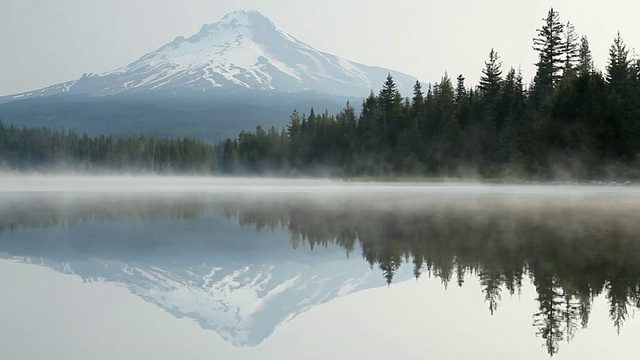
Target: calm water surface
pixel 201 268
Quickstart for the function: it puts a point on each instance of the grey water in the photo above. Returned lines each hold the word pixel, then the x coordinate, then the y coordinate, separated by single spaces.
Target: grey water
pixel 184 267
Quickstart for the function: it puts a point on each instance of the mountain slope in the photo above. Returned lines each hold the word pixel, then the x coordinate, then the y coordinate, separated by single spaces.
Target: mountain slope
pixel 244 50
pixel 202 116
pixel 232 75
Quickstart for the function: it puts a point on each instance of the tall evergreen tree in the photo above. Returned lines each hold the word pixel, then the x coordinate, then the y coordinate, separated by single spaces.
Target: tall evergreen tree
pixel 450 138
pixel 294 134
pixel 463 102
pixel 491 75
pixel 390 102
pixel 417 103
pixel 461 91
pixel 293 129
pixel 368 129
pixel 417 118
pixel 512 110
pixel 618 65
pixel 571 50
pixel 550 47
pixel 585 60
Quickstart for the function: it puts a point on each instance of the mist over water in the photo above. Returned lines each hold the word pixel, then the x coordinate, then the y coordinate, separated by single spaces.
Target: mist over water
pixel 244 256
pixel 131 183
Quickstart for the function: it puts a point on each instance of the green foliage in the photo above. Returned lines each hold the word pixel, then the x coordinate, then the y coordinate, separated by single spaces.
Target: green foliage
pixel 46 149
pixel 618 70
pixel 491 76
pixel 571 50
pixel 550 46
pixel 572 123
pixel 585 60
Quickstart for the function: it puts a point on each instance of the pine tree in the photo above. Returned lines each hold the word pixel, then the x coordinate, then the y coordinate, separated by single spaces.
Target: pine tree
pixel 463 102
pixel 367 126
pixel 571 50
pixel 461 91
pixel 418 108
pixel 293 129
pixel 390 102
pixel 550 46
pixel 491 75
pixel 512 108
pixel 417 103
pixel 618 66
pixel 585 61
pixel 620 73
pixel 451 138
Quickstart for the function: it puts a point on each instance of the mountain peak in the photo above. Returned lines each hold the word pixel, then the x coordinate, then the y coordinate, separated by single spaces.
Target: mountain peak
pixel 244 17
pixel 244 22
pixel 243 50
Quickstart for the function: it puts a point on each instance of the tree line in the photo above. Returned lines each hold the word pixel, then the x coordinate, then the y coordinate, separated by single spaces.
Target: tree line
pixel 573 120
pixel 46 149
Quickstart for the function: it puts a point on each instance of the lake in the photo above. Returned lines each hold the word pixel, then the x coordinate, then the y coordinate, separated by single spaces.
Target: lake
pixel 200 268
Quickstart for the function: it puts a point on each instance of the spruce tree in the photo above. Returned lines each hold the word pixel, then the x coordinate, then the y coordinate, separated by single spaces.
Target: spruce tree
pixel 512 108
pixel 293 129
pixel 491 75
pixel 462 99
pixel 368 129
pixel 550 47
pixel 585 60
pixel 390 102
pixel 571 50
pixel 461 91
pixel 418 97
pixel 418 107
pixel 450 138
pixel 620 73
pixel 618 65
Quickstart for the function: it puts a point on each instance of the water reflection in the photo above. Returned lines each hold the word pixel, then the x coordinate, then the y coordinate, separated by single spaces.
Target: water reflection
pixel 182 253
pixel 573 248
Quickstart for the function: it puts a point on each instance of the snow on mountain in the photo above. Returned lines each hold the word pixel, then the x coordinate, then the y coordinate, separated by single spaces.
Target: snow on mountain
pixel 244 50
pixel 239 282
pixel 241 301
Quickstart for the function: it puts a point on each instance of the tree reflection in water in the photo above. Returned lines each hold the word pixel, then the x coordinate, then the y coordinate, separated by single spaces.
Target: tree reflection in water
pixel 572 248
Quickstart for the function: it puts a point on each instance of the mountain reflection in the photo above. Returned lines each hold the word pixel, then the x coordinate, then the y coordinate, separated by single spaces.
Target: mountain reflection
pixel 572 248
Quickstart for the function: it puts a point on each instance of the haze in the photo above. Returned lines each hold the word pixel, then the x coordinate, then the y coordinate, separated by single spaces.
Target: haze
pixel 37 183
pixel 51 42
pixel 144 249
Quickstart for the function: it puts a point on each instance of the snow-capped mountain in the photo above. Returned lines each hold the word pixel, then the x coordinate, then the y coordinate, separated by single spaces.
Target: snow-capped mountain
pixel 244 50
pixel 242 300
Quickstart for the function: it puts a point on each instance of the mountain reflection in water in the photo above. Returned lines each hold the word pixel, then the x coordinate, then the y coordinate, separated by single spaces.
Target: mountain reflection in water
pixel 572 247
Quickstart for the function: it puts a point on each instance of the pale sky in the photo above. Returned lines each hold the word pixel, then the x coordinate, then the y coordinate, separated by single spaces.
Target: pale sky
pixel 43 42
